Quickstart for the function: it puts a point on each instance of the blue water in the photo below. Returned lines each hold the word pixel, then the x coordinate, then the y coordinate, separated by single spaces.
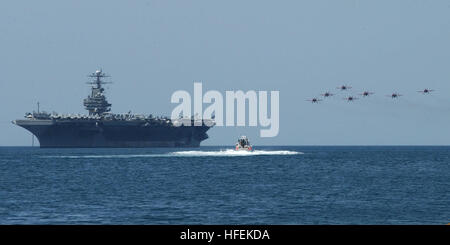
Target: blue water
pixel 209 185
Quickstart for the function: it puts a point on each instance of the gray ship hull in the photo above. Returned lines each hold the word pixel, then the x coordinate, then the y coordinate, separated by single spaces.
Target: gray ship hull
pixel 90 133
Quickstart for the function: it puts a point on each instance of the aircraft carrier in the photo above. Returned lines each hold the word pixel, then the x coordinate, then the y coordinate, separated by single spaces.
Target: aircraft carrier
pixel 100 128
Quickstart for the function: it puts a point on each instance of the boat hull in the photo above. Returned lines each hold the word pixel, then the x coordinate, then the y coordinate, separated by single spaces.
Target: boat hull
pixel 69 134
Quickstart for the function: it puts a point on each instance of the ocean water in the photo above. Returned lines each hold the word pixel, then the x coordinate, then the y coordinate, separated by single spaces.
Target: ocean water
pixel 215 185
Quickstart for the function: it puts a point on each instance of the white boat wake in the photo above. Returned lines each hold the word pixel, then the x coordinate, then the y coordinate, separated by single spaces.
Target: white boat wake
pixel 221 153
pixel 230 153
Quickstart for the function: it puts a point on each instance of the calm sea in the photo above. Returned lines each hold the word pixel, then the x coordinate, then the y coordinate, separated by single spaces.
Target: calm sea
pixel 213 185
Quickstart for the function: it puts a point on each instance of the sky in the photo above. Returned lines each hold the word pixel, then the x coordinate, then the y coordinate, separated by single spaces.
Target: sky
pixel 300 48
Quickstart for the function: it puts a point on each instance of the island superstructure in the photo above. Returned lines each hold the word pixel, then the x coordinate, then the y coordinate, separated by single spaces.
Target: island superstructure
pixel 101 128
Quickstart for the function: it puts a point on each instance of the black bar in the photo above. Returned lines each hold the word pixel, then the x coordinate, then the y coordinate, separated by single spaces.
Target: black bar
pixel 224 234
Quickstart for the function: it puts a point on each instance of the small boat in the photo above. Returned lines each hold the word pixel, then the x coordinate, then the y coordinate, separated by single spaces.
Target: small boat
pixel 243 144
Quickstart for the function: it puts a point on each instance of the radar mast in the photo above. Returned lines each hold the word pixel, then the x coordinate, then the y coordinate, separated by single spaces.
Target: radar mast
pixel 96 103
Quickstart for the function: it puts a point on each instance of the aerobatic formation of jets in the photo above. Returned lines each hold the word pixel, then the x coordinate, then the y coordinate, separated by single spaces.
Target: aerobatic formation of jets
pixel 365 93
